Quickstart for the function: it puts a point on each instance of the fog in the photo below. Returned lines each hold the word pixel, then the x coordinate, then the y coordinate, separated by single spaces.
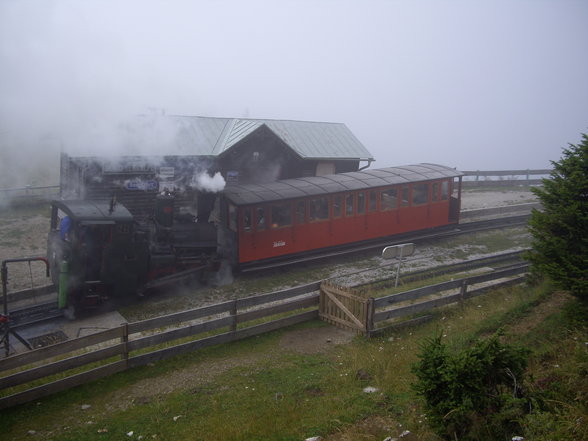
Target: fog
pixel 468 84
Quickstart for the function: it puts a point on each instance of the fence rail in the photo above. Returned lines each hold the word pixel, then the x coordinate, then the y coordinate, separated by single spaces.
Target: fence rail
pixel 28 194
pixel 516 177
pixel 127 346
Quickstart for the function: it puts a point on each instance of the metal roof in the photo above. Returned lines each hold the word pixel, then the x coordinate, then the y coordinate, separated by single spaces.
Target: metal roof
pixel 321 185
pixel 206 136
pixel 82 210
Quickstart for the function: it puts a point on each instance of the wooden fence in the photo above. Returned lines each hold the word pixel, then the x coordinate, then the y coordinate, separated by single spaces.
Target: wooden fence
pixel 499 178
pixel 31 375
pixel 127 345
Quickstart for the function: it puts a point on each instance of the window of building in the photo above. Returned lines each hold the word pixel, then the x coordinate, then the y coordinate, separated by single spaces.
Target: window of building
pixel 389 199
pixel 281 215
pixel 319 209
pixel 349 199
pixel 420 194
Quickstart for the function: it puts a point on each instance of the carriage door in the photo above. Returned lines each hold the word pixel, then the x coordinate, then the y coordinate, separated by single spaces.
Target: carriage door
pixel 455 200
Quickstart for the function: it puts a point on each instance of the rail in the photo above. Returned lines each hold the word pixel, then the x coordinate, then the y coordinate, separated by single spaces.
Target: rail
pixel 32 375
pixel 28 194
pixel 526 177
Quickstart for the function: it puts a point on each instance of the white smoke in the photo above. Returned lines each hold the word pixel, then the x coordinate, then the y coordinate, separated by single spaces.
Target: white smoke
pixel 213 184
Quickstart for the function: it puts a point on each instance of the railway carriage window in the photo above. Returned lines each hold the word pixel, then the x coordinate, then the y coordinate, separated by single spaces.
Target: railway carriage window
pixel 444 190
pixel 337 205
pixel 300 212
pixel 435 194
pixel 232 217
pixel 420 194
pixel 349 205
pixel 260 218
pixel 389 199
pixel 319 209
pixel 360 202
pixel 373 199
pixel 281 215
pixel 404 200
pixel 247 219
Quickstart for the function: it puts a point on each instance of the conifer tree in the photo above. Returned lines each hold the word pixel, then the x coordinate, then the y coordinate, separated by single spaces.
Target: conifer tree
pixel 560 229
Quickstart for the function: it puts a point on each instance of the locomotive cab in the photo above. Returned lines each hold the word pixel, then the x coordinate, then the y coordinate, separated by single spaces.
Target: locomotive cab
pixel 94 252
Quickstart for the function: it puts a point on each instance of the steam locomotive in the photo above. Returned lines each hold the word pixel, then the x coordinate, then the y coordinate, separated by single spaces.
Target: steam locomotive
pixel 99 249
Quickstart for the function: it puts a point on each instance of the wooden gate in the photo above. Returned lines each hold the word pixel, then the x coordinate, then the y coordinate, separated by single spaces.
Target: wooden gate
pixel 346 309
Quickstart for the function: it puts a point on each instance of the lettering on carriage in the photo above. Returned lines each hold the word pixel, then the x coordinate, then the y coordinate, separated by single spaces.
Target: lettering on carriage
pixel 279 243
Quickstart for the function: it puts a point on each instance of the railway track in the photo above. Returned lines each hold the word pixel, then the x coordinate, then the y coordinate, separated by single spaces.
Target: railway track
pixel 29 315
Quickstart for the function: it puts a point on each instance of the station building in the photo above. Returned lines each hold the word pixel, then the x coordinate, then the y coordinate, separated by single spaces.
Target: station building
pixel 194 157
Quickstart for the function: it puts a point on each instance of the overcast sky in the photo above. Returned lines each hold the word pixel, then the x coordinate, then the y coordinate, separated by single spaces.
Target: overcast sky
pixel 468 84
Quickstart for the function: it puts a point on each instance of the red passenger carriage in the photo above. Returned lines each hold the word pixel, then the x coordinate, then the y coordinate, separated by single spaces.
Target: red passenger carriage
pixel 288 217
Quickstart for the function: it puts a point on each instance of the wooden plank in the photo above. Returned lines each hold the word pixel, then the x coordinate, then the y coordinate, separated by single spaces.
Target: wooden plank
pixel 162 354
pixel 346 324
pixel 59 366
pixel 61 385
pixel 506 283
pixel 278 295
pixel 337 290
pixel 277 309
pixel 417 307
pixel 444 286
pixel 412 322
pixel 35 355
pixel 416 293
pixel 344 310
pixel 178 317
pixel 175 334
pixel 497 274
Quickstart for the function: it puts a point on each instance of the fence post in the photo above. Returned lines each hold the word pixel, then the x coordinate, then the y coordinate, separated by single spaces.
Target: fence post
pixel 369 320
pixel 124 339
pixel 233 313
pixel 463 290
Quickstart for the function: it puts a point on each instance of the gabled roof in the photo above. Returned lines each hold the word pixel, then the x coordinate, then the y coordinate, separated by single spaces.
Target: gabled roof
pixel 322 185
pixel 206 136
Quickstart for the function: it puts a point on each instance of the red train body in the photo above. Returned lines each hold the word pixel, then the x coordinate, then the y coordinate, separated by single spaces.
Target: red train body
pixel 294 216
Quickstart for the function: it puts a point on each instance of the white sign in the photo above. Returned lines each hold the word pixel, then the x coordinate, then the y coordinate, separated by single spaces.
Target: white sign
pixel 400 250
pixel 166 173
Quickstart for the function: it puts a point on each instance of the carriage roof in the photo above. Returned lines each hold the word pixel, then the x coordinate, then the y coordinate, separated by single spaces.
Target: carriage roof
pixel 336 183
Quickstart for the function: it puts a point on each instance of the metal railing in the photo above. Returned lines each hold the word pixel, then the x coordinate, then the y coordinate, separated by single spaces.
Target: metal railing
pixel 28 194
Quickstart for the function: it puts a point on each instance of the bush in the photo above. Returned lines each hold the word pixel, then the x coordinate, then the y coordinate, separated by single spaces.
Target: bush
pixel 474 394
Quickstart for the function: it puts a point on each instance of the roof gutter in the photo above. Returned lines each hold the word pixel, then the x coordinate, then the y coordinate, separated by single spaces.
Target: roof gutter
pixel 368 164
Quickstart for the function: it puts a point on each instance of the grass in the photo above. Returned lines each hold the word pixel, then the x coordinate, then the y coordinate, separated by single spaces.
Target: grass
pixel 272 394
